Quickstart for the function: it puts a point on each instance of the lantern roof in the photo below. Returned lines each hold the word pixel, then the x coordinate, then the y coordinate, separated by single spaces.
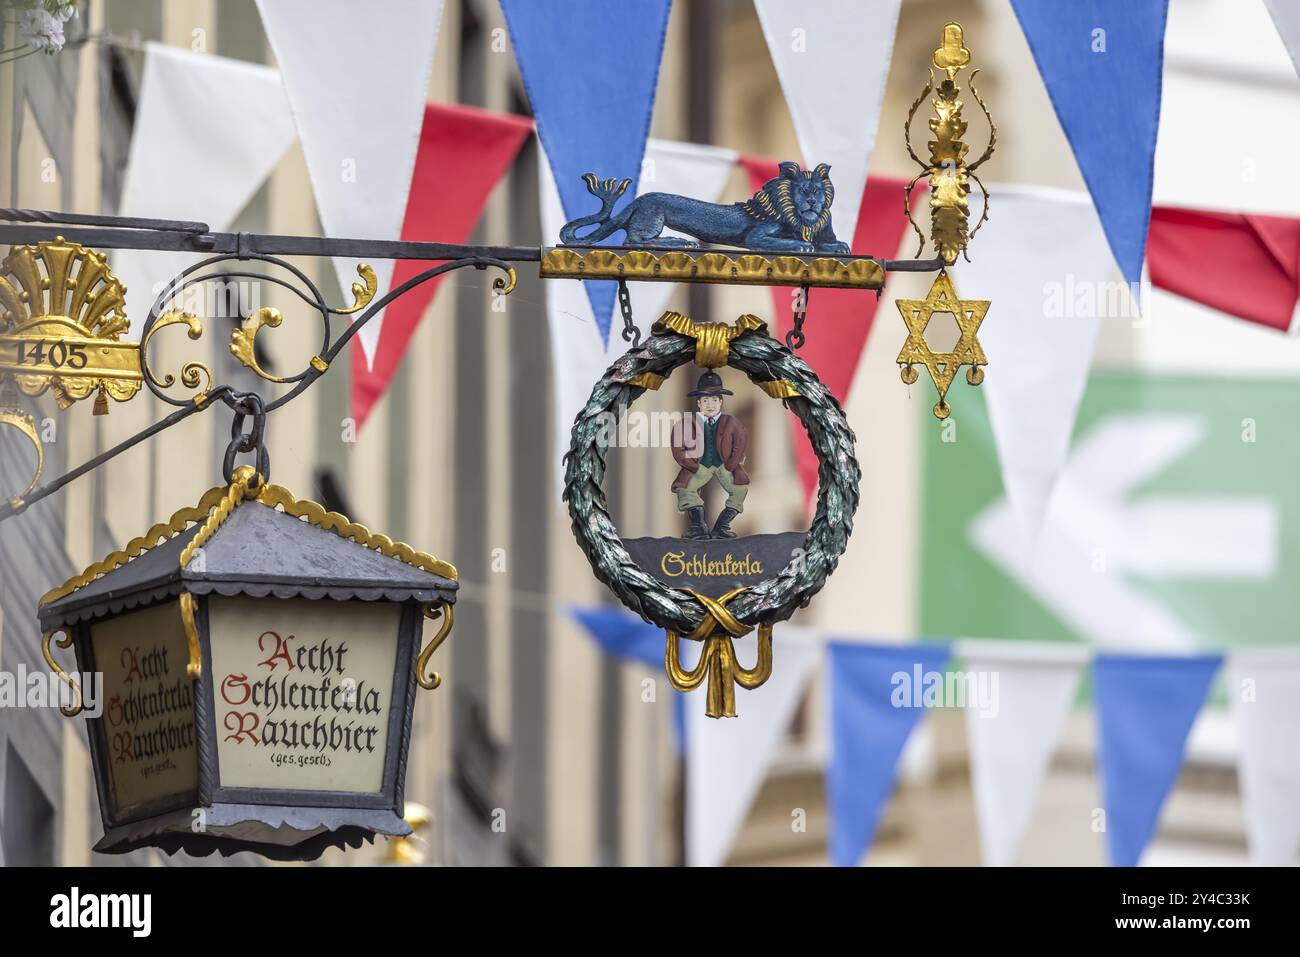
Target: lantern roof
pixel 256 540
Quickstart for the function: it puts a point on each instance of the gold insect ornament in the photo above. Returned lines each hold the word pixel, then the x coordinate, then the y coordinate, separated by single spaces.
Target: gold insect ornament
pixel 949 190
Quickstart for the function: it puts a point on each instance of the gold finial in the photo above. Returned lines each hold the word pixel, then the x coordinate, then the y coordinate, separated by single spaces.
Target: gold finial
pixel 951 56
pixel 414 848
pixel 949 173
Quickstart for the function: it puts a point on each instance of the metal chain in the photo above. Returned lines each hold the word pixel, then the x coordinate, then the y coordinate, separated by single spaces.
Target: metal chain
pixel 246 404
pixel 631 333
pixel 794 339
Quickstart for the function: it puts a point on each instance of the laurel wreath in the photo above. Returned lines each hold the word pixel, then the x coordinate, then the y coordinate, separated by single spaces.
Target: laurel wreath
pixel 774 599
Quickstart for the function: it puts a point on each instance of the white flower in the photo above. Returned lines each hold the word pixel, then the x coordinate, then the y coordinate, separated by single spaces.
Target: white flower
pixel 41 26
pixel 42 30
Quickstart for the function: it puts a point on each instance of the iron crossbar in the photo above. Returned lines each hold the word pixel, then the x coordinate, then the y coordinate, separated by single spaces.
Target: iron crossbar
pixel 19 226
pixel 34 226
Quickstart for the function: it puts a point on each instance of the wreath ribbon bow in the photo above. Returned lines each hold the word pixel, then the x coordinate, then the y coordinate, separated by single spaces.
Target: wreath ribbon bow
pixel 718 662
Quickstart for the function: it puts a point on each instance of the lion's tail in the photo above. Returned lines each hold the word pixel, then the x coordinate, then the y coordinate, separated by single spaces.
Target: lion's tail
pixel 607 191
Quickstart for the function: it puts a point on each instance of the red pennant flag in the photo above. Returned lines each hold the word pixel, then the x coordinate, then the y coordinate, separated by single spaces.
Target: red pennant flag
pixel 1239 263
pixel 463 154
pixel 838 319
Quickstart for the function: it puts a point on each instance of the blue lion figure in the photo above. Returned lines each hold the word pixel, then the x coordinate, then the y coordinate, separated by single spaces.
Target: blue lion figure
pixel 791 213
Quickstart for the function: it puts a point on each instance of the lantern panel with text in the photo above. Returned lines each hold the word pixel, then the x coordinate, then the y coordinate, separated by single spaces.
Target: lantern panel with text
pixel 149 730
pixel 304 692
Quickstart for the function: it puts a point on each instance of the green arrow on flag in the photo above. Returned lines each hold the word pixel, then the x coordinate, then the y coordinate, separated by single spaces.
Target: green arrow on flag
pixel 1175 524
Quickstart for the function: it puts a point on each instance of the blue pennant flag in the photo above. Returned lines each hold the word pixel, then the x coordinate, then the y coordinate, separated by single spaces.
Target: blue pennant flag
pixel 622 635
pixel 877 697
pixel 1101 61
pixel 590 69
pixel 1145 709
pixel 626 636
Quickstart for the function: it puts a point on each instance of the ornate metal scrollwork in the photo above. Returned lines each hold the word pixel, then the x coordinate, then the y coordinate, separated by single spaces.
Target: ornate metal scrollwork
pixel 947 169
pixel 197 376
pixel 429 680
pixel 62 318
pixel 61 323
pixel 192 372
pixel 243 338
pixel 950 179
pixel 77 706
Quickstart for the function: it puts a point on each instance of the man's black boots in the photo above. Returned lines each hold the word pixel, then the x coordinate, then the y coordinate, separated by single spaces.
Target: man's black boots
pixel 698 528
pixel 722 527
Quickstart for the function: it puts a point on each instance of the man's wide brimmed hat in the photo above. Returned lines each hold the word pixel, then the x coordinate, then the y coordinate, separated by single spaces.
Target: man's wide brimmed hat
pixel 710 384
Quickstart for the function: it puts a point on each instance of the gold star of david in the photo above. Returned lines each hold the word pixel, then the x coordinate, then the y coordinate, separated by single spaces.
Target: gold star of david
pixel 943 366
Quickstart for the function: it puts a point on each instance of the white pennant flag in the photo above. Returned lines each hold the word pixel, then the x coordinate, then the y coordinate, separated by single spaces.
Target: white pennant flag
pixel 1264 691
pixel 357 81
pixel 578 356
pixel 208 132
pixel 1013 735
pixel 1286 14
pixel 828 53
pixel 727 758
pixel 1043 261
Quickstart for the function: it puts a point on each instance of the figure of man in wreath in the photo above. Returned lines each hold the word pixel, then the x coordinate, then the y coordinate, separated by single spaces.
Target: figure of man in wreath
pixel 710 447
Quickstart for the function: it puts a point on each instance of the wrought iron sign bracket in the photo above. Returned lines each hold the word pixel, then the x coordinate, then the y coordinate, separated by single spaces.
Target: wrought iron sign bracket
pixel 62 312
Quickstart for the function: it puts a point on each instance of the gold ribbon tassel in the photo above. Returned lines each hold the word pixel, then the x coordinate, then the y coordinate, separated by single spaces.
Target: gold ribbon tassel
pixel 718 663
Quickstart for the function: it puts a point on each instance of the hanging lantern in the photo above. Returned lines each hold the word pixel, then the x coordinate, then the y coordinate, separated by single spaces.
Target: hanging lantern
pixel 259 658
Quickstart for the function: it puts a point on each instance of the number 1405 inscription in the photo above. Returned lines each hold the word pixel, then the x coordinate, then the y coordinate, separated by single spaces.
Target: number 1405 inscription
pixel 57 354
